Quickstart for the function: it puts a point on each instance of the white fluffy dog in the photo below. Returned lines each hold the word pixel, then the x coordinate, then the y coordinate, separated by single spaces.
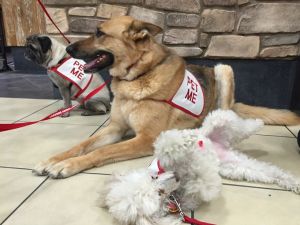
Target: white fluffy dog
pixel 189 164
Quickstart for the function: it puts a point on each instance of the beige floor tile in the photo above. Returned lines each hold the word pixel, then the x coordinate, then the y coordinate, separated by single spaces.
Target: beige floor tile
pixel 71 201
pixel 275 130
pixel 15 186
pixel 249 206
pixel 294 129
pixel 74 118
pixel 17 108
pixel 25 147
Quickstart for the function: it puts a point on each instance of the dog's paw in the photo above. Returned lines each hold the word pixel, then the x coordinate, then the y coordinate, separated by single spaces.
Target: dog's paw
pixel 91 113
pixel 63 169
pixel 41 169
pixel 64 115
pixel 296 189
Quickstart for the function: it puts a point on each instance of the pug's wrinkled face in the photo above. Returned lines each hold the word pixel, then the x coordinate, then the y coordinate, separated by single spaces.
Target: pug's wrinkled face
pixel 38 49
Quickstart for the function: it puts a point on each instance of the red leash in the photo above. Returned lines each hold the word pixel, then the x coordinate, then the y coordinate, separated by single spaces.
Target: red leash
pixel 174 203
pixel 49 17
pixel 193 221
pixel 5 127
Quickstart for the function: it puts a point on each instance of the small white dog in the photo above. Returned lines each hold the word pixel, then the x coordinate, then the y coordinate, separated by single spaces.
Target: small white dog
pixel 188 165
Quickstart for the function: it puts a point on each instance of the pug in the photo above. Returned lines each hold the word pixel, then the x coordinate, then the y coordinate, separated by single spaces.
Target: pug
pixel 51 54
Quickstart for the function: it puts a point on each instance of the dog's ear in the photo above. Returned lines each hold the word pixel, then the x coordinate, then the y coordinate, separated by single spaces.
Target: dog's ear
pixel 140 30
pixel 45 43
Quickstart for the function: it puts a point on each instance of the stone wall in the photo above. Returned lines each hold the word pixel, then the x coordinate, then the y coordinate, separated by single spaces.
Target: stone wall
pixel 199 28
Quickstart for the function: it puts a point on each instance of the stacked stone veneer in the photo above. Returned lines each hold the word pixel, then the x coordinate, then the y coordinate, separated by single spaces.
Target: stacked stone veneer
pixel 200 28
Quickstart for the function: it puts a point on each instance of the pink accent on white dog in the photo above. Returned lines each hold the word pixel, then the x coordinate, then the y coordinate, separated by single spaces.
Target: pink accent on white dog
pixel 72 70
pixel 189 97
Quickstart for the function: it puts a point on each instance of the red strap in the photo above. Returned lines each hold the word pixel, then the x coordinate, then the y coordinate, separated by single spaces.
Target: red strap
pixel 49 17
pixel 187 219
pixel 5 127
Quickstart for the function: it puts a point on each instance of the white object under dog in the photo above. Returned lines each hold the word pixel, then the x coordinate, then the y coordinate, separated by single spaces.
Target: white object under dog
pixel 190 165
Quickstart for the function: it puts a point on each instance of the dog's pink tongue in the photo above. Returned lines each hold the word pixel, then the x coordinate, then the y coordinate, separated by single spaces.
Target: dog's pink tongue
pixel 90 64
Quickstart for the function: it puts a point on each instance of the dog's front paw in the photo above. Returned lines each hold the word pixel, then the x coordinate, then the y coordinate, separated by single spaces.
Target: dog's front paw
pixel 296 189
pixel 63 169
pixel 41 169
pixel 64 115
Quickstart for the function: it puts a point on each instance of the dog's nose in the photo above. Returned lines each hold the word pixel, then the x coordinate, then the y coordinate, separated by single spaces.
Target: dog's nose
pixel 71 49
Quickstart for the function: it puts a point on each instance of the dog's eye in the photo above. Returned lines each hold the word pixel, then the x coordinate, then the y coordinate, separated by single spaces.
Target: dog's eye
pixel 99 33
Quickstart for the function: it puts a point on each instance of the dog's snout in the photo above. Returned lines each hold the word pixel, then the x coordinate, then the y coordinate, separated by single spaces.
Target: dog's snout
pixel 71 49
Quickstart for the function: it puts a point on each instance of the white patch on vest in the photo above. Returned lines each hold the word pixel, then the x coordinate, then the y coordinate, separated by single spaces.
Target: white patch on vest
pixel 189 97
pixel 72 70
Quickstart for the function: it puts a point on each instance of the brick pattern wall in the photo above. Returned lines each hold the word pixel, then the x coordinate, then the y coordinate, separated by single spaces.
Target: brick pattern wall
pixel 199 28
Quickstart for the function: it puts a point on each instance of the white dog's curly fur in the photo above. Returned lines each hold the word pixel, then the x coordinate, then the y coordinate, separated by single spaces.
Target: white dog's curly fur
pixel 199 158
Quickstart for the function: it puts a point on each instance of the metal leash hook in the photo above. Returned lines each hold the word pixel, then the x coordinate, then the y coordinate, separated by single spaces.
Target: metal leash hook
pixel 173 199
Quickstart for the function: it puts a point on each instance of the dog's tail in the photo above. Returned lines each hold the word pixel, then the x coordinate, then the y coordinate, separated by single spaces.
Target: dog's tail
pixel 269 116
pixel 241 167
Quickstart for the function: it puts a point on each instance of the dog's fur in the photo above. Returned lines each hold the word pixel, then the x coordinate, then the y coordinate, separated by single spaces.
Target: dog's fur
pixel 136 198
pixel 48 52
pixel 145 74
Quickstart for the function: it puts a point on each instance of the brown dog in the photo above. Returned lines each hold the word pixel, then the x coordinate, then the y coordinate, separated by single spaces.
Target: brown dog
pixel 145 75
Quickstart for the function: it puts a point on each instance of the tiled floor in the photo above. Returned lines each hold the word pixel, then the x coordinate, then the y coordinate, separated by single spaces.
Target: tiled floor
pixel 26 199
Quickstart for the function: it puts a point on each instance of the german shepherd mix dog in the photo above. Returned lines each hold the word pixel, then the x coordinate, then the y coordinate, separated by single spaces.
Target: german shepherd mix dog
pixel 49 53
pixel 145 84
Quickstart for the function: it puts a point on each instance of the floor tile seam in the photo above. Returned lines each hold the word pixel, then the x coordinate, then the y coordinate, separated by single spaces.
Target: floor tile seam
pixel 36 111
pixel 24 200
pixel 270 135
pixel 255 187
pixel 99 126
pixel 76 124
pixel 24 168
pixel 95 173
pixel 14 167
pixel 290 131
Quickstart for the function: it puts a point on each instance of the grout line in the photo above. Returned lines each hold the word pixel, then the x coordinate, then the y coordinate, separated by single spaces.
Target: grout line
pixel 13 167
pixel 248 186
pixel 270 135
pixel 290 131
pixel 23 168
pixel 100 126
pixel 76 124
pixel 36 111
pixel 25 200
pixel 93 173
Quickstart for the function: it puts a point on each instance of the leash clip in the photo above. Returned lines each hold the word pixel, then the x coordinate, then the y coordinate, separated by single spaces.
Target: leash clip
pixel 173 199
